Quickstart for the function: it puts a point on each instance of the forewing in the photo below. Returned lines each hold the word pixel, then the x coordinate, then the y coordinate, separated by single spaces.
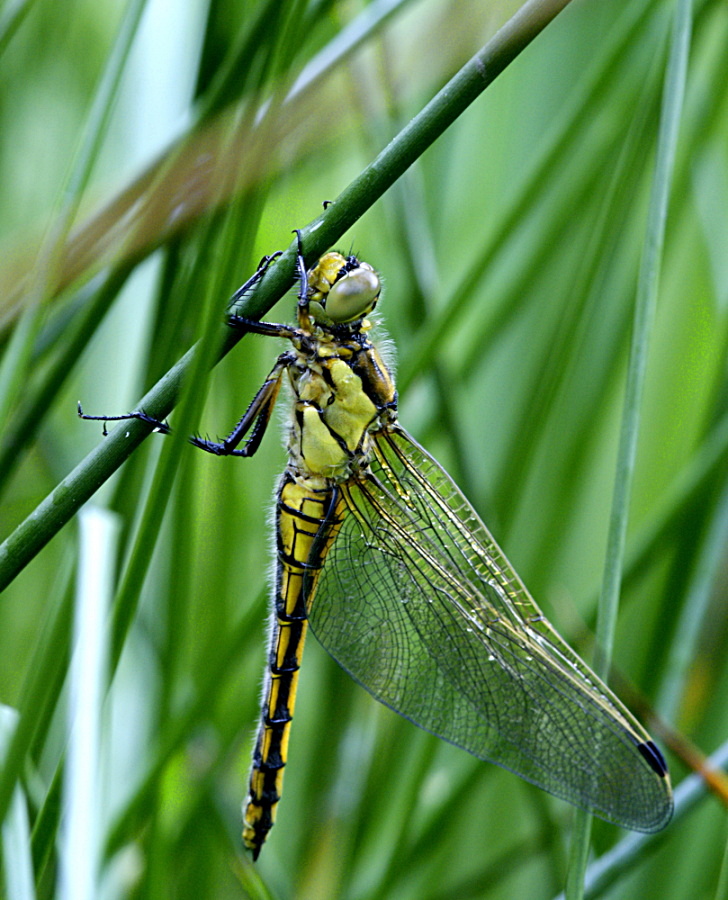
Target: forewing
pixel 417 602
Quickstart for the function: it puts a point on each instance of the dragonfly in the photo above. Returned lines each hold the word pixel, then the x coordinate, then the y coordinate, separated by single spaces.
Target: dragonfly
pixel 381 554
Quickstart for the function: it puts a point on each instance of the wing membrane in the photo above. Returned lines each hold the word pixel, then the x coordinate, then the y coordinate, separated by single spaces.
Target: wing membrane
pixel 417 602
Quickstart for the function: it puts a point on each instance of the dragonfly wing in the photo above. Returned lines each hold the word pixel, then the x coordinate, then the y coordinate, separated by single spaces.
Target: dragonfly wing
pixel 417 602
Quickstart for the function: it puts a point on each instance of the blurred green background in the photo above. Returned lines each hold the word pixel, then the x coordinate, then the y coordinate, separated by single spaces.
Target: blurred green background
pixel 509 254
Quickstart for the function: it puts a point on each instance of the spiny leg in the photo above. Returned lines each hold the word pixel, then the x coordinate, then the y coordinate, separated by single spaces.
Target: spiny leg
pixel 268 329
pixel 302 273
pixel 257 416
pixel 263 267
pixel 140 415
pixel 262 405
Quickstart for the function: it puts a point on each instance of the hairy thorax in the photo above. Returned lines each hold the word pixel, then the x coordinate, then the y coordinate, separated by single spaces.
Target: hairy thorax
pixel 343 393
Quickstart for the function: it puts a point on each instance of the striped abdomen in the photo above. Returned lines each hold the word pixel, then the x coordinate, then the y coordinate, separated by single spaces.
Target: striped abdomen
pixel 307 520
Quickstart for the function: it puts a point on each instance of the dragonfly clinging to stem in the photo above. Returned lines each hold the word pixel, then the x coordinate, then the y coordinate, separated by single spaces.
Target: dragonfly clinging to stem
pixel 399 579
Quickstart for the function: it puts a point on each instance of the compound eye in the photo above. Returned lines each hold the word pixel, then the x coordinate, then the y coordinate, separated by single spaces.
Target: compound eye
pixel 354 295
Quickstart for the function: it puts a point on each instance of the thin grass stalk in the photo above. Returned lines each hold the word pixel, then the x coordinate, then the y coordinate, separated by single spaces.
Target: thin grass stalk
pixel 80 856
pixel 646 302
pixel 644 314
pixel 53 512
pixel 39 695
pixel 14 368
pixel 17 865
pixel 604 872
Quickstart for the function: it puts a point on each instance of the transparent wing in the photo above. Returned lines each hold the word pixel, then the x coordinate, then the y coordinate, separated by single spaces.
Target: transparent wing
pixel 417 602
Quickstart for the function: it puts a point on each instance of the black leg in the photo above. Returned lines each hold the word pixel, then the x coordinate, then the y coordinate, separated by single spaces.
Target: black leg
pixel 263 267
pixel 253 326
pixel 257 416
pixel 162 427
pixel 259 412
pixel 270 329
pixel 302 274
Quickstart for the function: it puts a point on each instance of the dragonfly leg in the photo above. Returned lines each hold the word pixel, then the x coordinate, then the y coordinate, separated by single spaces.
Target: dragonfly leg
pixel 301 266
pixel 162 427
pixel 247 325
pixel 268 329
pixel 257 416
pixel 263 267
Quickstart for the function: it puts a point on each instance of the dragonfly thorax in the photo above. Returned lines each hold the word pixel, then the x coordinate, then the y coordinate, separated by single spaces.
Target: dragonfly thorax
pixel 343 393
pixel 331 418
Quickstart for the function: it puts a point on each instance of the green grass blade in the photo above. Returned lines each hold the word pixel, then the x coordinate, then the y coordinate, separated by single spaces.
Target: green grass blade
pixel 80 861
pixel 412 141
pixel 644 314
pixel 645 304
pixel 604 872
pixel 41 690
pixel 519 395
pixel 15 833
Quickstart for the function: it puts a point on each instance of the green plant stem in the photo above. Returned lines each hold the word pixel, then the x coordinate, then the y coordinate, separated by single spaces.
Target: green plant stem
pixel 624 856
pixel 721 892
pixel 11 18
pixel 16 364
pixel 557 145
pixel 41 689
pixel 39 394
pixel 53 512
pixel 646 302
pixel 644 313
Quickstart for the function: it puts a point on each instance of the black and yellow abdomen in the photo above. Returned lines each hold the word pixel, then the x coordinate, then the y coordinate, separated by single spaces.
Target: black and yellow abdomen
pixel 307 521
pixel 334 409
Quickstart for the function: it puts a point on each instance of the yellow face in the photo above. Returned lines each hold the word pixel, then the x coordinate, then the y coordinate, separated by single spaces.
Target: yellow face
pixel 341 289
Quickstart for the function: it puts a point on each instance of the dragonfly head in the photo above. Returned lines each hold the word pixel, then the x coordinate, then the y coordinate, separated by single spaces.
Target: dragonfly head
pixel 341 290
